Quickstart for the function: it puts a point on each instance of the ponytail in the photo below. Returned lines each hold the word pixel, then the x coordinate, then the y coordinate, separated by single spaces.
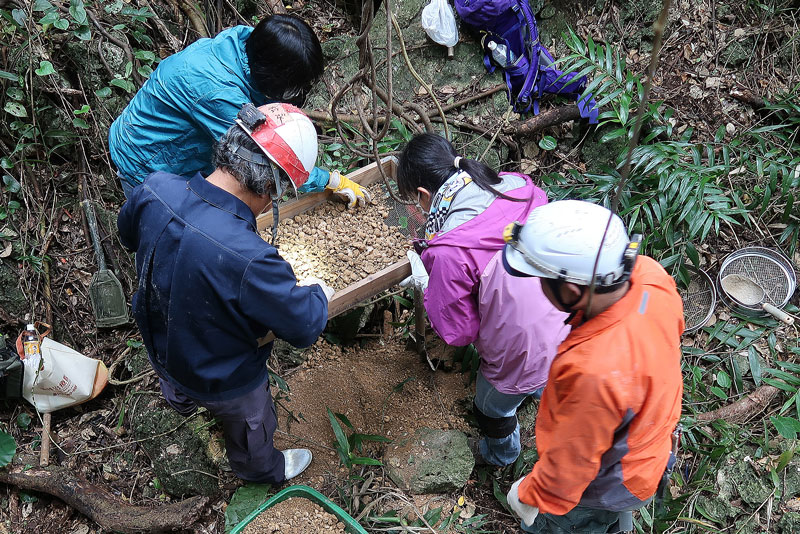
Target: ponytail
pixel 429 160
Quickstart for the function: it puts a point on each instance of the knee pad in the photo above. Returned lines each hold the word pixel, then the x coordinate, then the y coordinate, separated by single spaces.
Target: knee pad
pixel 494 427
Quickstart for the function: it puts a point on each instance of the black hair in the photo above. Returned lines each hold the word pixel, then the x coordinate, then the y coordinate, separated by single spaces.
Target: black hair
pixel 284 54
pixel 427 161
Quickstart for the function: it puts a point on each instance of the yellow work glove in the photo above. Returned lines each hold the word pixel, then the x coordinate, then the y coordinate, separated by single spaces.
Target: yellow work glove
pixel 347 189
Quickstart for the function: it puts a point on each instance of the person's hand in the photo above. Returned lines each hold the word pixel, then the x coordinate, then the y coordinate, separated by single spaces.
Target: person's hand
pixel 329 291
pixel 526 512
pixel 419 276
pixel 345 188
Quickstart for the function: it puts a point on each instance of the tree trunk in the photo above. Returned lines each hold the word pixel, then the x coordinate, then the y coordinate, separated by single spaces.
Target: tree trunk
pixel 99 504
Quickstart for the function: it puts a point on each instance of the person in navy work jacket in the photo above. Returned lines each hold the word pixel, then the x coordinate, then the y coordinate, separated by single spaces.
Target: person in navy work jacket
pixel 209 286
pixel 192 98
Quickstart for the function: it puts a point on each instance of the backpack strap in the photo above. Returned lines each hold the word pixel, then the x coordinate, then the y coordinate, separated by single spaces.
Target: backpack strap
pixel 532 45
pixel 517 31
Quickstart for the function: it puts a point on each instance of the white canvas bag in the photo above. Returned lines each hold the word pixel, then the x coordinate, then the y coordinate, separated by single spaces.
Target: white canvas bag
pixel 61 377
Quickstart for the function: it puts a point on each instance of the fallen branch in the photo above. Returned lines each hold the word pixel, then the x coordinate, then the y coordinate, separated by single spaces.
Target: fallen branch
pixel 744 408
pixel 551 117
pixel 746 96
pixel 101 505
pixel 276 7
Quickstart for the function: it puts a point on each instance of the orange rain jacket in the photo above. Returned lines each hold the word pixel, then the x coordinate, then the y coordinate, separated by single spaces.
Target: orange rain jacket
pixel 612 401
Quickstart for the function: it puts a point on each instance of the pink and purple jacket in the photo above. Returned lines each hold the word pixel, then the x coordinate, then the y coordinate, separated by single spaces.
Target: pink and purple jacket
pixel 471 299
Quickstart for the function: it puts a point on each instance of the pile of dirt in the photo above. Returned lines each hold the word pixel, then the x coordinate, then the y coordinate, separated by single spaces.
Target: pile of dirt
pixel 340 246
pixel 295 516
pixel 381 388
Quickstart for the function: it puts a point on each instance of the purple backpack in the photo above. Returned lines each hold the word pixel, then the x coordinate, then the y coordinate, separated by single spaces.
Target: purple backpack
pixel 510 40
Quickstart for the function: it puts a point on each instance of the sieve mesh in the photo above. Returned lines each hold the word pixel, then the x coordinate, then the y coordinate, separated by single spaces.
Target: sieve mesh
pixel 699 299
pixel 766 271
pixel 407 217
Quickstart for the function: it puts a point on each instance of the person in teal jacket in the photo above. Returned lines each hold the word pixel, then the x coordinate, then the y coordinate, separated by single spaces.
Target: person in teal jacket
pixel 192 98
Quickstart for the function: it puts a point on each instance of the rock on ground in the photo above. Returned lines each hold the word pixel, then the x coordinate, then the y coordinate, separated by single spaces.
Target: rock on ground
pixel 181 451
pixel 431 461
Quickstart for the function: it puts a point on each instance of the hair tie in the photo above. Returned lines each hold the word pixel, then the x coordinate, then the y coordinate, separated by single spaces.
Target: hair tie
pixel 456 162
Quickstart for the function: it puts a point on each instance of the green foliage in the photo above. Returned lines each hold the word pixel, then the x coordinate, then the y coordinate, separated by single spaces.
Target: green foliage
pixel 33 89
pixel 246 499
pixel 8 448
pixel 338 156
pixel 548 142
pixel 348 446
pixel 23 420
pixel 435 517
pixel 681 192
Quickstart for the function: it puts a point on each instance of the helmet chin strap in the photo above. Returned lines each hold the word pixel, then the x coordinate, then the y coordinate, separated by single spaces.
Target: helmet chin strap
pixel 275 195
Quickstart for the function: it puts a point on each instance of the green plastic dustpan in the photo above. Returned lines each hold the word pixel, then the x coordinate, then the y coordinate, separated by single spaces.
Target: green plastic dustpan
pixel 351 526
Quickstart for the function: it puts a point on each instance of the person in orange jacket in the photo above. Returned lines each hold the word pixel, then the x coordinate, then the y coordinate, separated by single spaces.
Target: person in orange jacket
pixel 604 430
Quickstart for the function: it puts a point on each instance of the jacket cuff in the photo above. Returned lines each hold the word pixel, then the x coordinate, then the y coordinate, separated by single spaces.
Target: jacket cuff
pixel 316 182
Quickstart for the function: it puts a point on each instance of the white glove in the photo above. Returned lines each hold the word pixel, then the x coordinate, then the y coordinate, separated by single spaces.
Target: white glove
pixel 419 276
pixel 526 512
pixel 329 291
pixel 347 189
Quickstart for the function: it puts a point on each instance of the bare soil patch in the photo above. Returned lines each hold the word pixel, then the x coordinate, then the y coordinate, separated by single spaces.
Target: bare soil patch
pixel 382 388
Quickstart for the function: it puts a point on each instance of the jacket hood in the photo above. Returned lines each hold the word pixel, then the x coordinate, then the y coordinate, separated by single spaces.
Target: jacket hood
pixel 485 229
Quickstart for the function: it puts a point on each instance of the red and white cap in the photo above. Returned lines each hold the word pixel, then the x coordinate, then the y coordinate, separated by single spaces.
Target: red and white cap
pixel 288 138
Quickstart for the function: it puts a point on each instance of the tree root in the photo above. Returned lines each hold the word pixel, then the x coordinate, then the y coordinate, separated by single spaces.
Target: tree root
pixel 99 504
pixel 194 17
pixel 744 408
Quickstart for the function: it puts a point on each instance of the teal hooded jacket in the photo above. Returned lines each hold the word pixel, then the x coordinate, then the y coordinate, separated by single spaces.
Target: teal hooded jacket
pixel 189 102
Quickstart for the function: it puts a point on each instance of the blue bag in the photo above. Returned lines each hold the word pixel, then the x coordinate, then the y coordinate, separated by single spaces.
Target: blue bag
pixel 510 40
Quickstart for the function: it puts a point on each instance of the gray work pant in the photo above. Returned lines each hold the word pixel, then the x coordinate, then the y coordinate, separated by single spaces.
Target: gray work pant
pixel 248 424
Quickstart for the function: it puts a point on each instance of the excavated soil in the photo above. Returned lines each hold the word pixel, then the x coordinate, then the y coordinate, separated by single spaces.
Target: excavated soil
pixel 382 388
pixel 340 246
pixel 295 516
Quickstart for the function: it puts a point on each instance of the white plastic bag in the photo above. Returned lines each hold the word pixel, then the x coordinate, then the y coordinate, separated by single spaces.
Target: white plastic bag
pixel 439 22
pixel 61 377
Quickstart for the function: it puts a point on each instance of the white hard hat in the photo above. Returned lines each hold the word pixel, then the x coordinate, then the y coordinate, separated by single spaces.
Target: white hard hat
pixel 560 240
pixel 285 134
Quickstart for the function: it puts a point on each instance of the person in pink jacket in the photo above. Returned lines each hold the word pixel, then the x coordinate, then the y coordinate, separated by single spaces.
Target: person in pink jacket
pixel 469 297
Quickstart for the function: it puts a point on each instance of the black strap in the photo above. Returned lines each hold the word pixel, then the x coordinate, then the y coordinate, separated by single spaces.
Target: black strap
pixel 494 427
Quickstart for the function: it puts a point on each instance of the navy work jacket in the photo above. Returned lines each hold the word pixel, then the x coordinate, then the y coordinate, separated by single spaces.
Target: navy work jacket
pixel 209 287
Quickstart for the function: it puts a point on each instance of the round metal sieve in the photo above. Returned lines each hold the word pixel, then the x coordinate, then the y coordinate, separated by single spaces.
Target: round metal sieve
pixel 699 299
pixel 767 268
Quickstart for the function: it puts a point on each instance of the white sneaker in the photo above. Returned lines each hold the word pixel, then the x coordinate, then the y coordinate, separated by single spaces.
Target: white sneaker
pixel 296 461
